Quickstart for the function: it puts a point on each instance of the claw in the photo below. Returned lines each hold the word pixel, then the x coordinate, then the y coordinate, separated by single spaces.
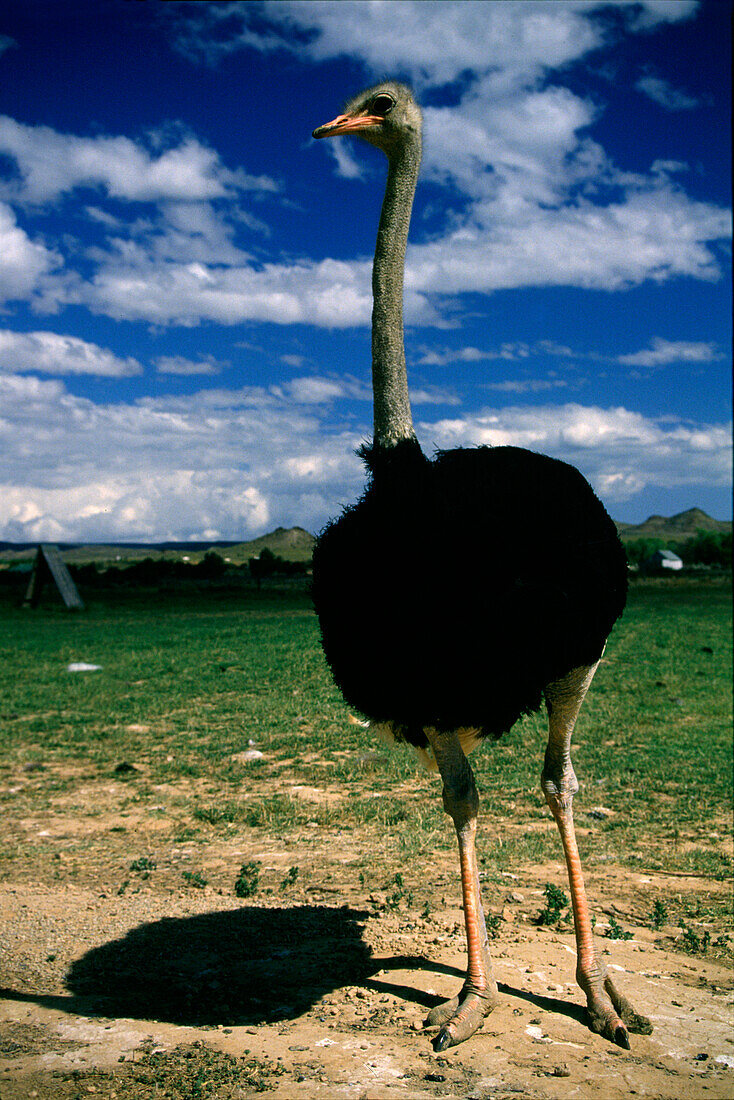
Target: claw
pixel 459 1018
pixel 621 1038
pixel 443 1040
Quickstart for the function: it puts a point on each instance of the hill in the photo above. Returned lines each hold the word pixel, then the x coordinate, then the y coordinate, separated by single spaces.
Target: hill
pixel 675 528
pixel 292 544
pixel 296 544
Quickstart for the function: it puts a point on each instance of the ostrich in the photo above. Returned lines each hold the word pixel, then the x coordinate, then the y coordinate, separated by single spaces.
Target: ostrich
pixel 459 592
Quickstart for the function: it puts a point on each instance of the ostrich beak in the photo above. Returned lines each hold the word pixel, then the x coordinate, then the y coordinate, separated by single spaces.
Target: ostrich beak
pixel 346 124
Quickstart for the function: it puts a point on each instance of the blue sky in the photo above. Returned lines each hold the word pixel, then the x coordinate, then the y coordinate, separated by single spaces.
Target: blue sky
pixel 184 272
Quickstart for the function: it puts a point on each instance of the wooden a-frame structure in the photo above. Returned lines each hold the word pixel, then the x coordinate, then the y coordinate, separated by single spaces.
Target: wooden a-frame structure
pixel 48 564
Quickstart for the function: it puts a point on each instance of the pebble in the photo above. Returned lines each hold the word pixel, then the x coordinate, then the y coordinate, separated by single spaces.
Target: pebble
pixel 247 756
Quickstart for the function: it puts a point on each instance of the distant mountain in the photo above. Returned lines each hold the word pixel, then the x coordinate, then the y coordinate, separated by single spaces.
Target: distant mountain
pixel 676 528
pixel 295 544
pixel 292 543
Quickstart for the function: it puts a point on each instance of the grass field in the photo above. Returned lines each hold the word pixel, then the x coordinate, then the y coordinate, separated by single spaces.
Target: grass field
pixel 187 681
pixel 152 877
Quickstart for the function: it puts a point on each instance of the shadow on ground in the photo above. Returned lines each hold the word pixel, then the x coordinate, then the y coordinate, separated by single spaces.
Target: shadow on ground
pixel 240 967
pixel 234 967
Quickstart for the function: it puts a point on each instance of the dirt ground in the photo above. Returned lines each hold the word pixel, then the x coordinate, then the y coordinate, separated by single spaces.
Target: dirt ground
pixel 143 988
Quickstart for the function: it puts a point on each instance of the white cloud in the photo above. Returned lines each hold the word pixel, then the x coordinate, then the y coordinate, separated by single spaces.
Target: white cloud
pixel 54 353
pixel 660 91
pixel 620 451
pixel 50 164
pixel 23 262
pixel 432 395
pixel 314 391
pixel 432 42
pixel 180 365
pixel 528 385
pixel 330 293
pixel 546 207
pixel 221 461
pixel 233 463
pixel 671 351
pixel 347 165
pixel 647 15
pixel 432 357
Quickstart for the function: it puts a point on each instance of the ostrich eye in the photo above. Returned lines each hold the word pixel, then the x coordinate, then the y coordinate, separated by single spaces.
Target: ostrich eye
pixel 382 104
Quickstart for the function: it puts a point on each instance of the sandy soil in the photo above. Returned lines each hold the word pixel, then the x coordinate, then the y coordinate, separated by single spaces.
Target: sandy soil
pixel 326 988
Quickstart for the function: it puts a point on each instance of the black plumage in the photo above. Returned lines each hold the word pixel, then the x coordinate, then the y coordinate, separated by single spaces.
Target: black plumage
pixel 457 589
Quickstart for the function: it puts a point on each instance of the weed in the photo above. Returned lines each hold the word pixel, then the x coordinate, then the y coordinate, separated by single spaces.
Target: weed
pixel 195 879
pixel 218 814
pixel 399 893
pixel 144 866
pixel 197 1071
pixel 555 903
pixel 659 915
pixel 694 944
pixel 615 930
pixel 246 883
pixel 290 878
pixel 493 925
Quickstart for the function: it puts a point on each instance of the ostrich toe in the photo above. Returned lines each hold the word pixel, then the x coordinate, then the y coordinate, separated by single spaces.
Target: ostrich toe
pixel 458 1018
pixel 612 1016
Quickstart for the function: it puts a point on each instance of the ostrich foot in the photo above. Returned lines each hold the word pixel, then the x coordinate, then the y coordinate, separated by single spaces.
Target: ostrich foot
pixel 612 1016
pixel 459 1018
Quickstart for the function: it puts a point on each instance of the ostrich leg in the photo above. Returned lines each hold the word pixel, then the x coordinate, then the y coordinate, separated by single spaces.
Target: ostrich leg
pixel 460 1017
pixel 608 1009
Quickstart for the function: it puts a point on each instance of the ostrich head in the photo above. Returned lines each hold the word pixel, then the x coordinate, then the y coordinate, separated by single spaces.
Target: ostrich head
pixel 386 116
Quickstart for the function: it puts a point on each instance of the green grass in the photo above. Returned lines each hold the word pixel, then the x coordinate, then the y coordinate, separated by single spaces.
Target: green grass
pixel 189 680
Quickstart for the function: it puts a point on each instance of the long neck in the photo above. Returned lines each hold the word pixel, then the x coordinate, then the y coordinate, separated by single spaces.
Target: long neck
pixel 393 419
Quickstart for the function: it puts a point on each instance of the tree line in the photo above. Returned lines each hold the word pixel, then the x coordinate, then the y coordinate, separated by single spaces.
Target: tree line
pixel 712 548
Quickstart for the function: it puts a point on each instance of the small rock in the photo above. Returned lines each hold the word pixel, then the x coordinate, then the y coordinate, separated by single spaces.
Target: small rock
pixel 516 897
pixel 247 756
pixel 561 1071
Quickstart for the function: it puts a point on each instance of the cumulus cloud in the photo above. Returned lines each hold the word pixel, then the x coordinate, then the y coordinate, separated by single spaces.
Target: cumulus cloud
pixel 426 41
pixel 663 351
pixel 23 262
pixel 620 451
pixel 218 464
pixel 54 353
pixel 49 164
pixel 232 463
pixel 543 203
